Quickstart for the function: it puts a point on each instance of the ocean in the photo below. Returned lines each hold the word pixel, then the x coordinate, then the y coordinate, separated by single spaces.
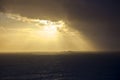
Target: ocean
pixel 64 66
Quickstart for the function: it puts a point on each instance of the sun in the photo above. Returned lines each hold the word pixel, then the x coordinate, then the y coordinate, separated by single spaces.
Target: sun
pixel 50 29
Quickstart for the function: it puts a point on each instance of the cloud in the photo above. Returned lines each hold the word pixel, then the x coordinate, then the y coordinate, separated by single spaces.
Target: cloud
pixel 45 9
pixel 1 6
pixel 37 22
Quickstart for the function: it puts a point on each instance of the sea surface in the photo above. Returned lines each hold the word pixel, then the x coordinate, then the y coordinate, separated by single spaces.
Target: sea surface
pixel 64 66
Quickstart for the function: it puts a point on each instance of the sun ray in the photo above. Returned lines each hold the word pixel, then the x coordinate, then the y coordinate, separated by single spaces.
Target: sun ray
pixel 45 35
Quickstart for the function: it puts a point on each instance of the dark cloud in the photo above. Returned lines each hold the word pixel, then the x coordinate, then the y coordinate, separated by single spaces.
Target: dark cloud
pixel 1 6
pixel 97 19
pixel 36 8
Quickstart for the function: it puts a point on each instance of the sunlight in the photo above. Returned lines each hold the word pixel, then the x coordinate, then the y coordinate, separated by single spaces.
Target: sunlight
pixel 42 35
pixel 49 29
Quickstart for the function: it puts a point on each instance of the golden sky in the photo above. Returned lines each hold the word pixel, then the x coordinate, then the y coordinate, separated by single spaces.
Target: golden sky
pixel 23 34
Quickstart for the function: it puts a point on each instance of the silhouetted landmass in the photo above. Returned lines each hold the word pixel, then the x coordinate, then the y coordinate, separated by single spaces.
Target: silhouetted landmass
pixel 65 66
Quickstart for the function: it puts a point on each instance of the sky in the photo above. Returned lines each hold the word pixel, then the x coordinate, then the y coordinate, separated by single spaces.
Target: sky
pixel 97 20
